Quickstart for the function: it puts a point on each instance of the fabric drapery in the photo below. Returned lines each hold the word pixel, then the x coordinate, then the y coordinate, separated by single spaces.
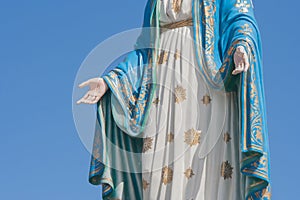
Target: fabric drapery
pixel 219 27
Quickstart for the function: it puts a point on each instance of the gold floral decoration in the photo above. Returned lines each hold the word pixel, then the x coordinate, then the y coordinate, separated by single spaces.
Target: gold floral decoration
pixel 226 170
pixel 147 144
pixel 156 101
pixel 243 6
pixel 170 137
pixel 206 99
pixel 167 175
pixel 145 184
pixel 192 137
pixel 180 94
pixel 227 137
pixel 189 173
pixel 245 29
pixel 177 54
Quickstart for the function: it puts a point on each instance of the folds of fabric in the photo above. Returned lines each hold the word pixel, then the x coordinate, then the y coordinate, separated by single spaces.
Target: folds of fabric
pixel 219 27
pixel 115 160
pixel 121 117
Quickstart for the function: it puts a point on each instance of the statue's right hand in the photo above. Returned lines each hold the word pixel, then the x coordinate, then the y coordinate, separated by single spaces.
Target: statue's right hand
pixel 241 60
pixel 97 88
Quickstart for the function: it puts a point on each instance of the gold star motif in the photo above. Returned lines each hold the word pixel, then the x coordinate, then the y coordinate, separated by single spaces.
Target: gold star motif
pixel 192 137
pixel 145 184
pixel 167 175
pixel 156 101
pixel 189 173
pixel 206 99
pixel 226 170
pixel 147 144
pixel 180 94
pixel 170 137
pixel 227 137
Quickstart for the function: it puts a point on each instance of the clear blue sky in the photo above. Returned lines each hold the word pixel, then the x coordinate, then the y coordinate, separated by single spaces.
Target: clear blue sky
pixel 42 45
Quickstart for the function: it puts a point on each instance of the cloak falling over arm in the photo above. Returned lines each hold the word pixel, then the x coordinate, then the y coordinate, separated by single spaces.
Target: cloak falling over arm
pixel 121 117
pixel 239 27
pixel 219 27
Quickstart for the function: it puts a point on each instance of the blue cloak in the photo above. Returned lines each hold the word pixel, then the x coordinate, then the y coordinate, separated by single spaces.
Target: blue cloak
pixel 219 27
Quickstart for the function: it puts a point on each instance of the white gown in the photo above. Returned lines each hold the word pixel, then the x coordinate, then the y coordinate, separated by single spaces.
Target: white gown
pixel 188 152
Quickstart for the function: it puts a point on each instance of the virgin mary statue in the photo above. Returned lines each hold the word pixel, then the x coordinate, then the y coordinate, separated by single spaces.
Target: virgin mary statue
pixel 183 116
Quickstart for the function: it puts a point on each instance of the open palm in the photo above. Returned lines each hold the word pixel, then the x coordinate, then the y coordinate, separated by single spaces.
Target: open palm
pixel 97 88
pixel 241 60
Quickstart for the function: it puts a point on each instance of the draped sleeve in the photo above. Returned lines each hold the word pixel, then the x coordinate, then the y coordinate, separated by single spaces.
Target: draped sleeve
pixel 121 116
pixel 219 27
pixel 130 82
pixel 239 27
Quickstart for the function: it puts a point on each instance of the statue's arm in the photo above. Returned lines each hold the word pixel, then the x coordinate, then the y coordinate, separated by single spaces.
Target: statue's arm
pixel 99 85
pixel 238 27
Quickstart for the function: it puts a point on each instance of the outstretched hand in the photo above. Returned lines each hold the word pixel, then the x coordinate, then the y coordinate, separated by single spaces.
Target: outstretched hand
pixel 97 88
pixel 241 60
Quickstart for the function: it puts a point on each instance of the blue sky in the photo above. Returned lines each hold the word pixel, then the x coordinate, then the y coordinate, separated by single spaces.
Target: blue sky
pixel 43 44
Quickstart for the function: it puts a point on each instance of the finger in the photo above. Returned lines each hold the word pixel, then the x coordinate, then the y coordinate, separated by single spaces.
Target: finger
pixel 83 99
pixel 80 101
pixel 93 98
pixel 242 66
pixel 96 100
pixel 90 97
pixel 247 65
pixel 92 101
pixel 89 102
pixel 235 72
pixel 86 83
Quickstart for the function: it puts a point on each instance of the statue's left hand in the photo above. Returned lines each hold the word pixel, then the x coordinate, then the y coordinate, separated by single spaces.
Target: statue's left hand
pixel 241 60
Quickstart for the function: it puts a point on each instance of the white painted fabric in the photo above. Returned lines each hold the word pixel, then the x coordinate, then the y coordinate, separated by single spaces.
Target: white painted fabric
pixel 191 145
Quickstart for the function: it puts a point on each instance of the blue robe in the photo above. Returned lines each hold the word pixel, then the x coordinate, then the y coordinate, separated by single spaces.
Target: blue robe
pixel 219 27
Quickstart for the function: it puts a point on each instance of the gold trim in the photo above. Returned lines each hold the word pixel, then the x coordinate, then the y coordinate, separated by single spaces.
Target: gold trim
pixel 178 24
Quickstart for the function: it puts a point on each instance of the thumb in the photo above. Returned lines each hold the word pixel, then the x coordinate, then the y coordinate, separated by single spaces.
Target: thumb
pixel 84 84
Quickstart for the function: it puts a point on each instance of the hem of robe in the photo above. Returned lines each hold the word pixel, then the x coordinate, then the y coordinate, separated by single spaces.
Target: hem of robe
pixel 112 149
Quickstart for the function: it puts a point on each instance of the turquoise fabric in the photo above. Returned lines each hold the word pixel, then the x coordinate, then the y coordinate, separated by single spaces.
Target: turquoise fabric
pixel 219 27
pixel 112 167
